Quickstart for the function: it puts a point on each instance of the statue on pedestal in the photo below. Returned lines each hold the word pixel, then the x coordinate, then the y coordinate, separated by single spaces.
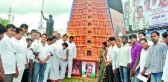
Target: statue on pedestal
pixel 49 24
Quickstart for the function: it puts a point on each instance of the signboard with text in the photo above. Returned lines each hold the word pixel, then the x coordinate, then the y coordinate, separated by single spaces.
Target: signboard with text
pixel 148 13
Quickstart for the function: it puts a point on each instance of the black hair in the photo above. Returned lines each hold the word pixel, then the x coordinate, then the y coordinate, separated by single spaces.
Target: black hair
pixel 10 26
pixel 28 33
pixel 54 37
pixel 112 39
pixel 24 26
pixel 142 33
pixel 71 37
pixel 18 30
pixel 29 39
pixel 157 33
pixel 44 35
pixel 105 44
pixel 133 36
pixel 33 31
pixel 143 39
pixel 39 33
pixel 65 44
pixel 88 64
pixel 2 29
pixel 49 39
pixel 65 35
pixel 139 8
pixel 125 37
pixel 165 34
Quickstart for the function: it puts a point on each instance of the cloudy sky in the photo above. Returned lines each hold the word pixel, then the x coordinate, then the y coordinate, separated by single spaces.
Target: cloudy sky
pixel 28 11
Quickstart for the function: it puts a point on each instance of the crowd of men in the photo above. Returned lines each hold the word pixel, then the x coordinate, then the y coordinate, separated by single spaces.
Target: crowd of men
pixel 137 61
pixel 34 57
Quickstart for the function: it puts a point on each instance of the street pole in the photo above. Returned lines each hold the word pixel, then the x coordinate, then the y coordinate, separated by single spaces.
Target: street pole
pixel 42 10
pixel 41 22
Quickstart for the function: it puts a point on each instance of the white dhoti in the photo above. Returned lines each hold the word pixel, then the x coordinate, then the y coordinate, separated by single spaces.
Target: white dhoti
pixel 19 78
pixel 46 73
pixel 54 68
pixel 54 71
pixel 63 69
pixel 70 62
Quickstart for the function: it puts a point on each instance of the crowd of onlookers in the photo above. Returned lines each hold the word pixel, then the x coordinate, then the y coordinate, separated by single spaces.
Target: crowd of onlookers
pixel 134 61
pixel 34 57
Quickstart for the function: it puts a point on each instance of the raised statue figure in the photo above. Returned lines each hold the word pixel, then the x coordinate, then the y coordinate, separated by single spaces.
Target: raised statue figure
pixel 49 24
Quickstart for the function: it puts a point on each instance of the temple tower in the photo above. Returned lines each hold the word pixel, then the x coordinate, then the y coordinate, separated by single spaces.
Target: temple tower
pixel 90 24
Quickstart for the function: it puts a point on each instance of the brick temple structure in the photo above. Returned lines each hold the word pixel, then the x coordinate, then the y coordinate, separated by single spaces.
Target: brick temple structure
pixel 90 24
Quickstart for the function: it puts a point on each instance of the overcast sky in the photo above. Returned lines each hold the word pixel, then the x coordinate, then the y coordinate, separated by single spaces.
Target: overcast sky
pixel 28 11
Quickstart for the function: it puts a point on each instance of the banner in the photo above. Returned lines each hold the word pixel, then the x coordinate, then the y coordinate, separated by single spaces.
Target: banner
pixel 148 13
pixel 126 12
pixel 118 23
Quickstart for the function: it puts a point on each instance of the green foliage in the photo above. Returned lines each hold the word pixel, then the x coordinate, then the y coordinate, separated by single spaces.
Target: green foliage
pixel 4 22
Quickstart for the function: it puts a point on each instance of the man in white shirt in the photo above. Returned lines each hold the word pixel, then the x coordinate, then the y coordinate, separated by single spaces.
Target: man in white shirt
pixel 72 55
pixel 35 43
pixel 55 60
pixel 22 42
pixel 143 57
pixel 109 59
pixel 46 73
pixel 30 59
pixel 60 42
pixel 115 53
pixel 19 56
pixel 7 54
pixel 156 58
pixel 165 71
pixel 124 57
pixel 2 31
pixel 41 60
pixel 142 35
pixel 64 39
pixel 34 49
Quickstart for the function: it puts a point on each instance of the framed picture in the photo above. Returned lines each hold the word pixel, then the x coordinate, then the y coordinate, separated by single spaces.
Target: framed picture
pixel 88 69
